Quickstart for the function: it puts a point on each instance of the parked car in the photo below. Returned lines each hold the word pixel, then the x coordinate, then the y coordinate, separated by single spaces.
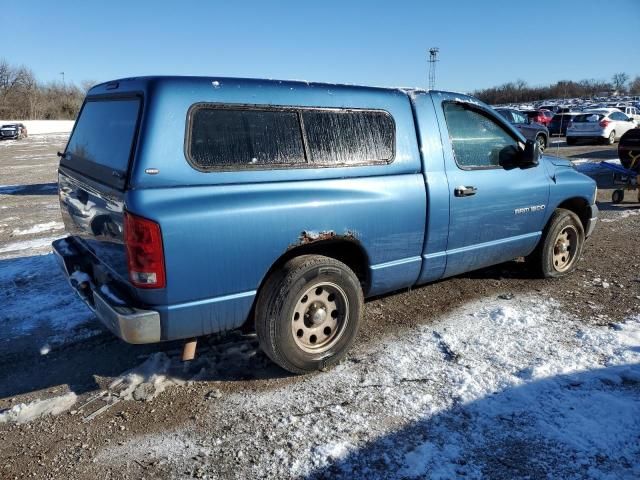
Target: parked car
pixel 15 131
pixel 629 111
pixel 543 117
pixel 532 131
pixel 559 123
pixel 607 124
pixel 227 203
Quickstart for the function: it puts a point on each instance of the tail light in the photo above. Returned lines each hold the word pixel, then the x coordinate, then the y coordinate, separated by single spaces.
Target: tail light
pixel 604 123
pixel 145 254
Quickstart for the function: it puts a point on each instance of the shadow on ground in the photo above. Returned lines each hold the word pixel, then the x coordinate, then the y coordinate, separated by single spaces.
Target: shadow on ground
pixel 32 189
pixel 583 425
pixel 48 338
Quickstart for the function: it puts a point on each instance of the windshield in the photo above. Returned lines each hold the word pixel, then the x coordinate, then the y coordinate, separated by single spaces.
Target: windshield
pixel 103 137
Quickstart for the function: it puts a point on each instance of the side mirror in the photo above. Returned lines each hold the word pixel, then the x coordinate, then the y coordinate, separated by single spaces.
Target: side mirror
pixel 530 156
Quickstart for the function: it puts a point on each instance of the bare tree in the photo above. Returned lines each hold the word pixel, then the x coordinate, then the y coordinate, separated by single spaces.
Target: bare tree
pixel 22 97
pixel 634 86
pixel 620 81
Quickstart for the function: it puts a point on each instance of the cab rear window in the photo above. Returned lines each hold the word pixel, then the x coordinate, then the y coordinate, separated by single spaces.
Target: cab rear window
pixel 228 138
pixel 102 139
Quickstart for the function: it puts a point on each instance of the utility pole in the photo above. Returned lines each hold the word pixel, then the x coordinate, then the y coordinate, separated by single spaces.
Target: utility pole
pixel 433 59
pixel 63 84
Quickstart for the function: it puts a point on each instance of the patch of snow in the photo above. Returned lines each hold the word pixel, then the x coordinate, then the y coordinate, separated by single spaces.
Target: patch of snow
pixel 516 385
pixel 107 292
pixel 36 300
pixel 621 215
pixel 79 277
pixel 17 248
pixel 43 127
pixel 41 227
pixel 148 380
pixel 26 412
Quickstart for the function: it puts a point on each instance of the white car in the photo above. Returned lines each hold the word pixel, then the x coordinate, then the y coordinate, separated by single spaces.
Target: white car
pixel 607 124
pixel 629 111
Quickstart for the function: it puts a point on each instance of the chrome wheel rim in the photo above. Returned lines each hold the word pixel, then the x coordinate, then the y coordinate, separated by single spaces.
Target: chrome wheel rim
pixel 320 317
pixel 541 144
pixel 612 137
pixel 564 249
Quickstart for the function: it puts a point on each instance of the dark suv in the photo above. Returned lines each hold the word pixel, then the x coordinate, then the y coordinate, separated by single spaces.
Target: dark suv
pixel 13 131
pixel 532 131
pixel 560 122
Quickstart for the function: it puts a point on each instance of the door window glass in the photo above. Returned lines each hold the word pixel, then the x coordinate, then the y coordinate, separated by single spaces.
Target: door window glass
pixel 477 140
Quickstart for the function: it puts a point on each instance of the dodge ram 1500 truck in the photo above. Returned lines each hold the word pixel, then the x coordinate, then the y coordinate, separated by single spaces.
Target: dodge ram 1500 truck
pixel 199 205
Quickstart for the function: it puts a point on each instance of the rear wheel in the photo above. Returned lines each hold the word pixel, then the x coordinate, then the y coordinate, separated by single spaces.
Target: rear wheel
pixel 542 142
pixel 617 196
pixel 571 141
pixel 308 313
pixel 611 139
pixel 561 245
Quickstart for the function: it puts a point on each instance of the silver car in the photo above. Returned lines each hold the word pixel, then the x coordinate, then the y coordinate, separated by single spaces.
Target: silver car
pixel 604 124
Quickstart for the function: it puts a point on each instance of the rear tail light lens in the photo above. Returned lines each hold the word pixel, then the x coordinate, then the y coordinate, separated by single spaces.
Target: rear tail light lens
pixel 145 254
pixel 604 123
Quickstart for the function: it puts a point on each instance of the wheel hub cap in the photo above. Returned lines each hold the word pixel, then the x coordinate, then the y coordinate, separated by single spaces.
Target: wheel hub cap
pixel 320 317
pixel 564 249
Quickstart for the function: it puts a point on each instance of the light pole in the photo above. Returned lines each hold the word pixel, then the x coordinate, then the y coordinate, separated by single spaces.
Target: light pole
pixel 63 84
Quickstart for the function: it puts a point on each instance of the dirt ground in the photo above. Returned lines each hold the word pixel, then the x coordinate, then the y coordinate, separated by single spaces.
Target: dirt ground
pixel 604 290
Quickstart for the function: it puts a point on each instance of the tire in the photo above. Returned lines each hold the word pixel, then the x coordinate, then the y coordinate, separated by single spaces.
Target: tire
pixel 617 196
pixel 308 313
pixel 571 141
pixel 611 139
pixel 542 143
pixel 560 247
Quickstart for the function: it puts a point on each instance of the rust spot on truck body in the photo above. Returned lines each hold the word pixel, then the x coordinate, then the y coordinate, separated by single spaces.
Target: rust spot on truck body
pixel 309 237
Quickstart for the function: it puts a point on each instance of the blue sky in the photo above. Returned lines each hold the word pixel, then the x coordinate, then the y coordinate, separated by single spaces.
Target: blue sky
pixel 482 43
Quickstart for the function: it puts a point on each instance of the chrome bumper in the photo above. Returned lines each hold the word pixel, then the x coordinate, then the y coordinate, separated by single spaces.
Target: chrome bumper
pixel 591 223
pixel 131 324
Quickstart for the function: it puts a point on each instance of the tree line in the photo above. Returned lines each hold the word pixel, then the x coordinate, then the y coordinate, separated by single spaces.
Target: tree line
pixel 23 97
pixel 519 91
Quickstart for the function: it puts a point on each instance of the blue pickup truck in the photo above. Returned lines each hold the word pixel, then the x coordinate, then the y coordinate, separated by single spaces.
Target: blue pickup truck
pixel 199 205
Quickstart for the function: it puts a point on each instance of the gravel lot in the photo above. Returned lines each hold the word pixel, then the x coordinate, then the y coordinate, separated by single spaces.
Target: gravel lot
pixel 431 388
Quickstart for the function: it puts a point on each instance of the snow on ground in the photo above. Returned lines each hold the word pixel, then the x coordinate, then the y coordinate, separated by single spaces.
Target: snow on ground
pixel 39 228
pixel 148 380
pixel 621 216
pixel 16 249
pixel 38 302
pixel 498 388
pixel 39 127
pixel 26 412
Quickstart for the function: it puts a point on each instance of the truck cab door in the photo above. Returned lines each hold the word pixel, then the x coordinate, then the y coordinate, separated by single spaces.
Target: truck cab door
pixel 496 209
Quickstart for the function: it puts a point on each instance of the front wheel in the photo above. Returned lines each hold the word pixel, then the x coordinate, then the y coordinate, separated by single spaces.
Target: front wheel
pixel 308 313
pixel 561 245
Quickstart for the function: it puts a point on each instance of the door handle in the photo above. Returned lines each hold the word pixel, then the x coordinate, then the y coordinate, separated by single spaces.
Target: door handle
pixel 463 191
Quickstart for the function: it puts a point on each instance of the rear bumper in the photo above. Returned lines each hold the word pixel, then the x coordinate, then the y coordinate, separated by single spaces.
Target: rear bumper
pixel 593 220
pixel 131 324
pixel 586 134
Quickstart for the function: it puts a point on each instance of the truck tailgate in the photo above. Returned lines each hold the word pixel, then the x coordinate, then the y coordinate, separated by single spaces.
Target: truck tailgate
pixel 94 214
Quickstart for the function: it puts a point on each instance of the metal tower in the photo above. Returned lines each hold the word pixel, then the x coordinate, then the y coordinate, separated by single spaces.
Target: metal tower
pixel 433 58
